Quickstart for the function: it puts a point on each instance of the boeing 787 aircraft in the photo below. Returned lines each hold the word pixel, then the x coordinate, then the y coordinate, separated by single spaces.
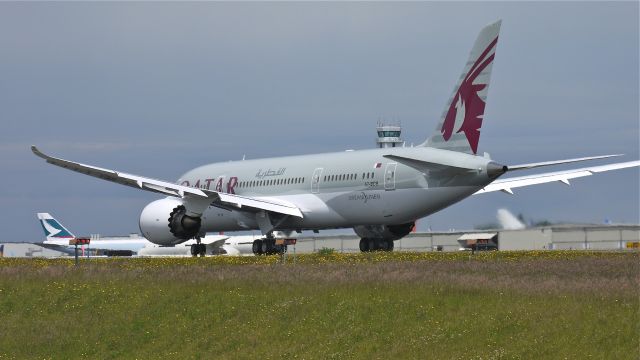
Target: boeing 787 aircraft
pixel 379 192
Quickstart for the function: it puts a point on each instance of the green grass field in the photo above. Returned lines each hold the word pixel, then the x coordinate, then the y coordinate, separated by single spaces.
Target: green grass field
pixel 506 305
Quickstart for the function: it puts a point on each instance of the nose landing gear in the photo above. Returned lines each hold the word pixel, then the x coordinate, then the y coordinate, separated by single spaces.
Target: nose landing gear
pixel 198 249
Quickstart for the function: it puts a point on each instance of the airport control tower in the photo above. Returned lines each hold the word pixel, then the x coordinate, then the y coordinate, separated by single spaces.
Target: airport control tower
pixel 388 135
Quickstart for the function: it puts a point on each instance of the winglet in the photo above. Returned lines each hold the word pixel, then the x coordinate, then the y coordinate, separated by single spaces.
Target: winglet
pixel 38 153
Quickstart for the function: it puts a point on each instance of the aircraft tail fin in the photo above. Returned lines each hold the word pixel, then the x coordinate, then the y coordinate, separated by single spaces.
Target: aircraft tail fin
pixel 508 221
pixel 459 125
pixel 53 230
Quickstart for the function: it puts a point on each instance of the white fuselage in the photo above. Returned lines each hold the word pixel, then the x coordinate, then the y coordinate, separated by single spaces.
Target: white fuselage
pixel 134 244
pixel 232 246
pixel 345 189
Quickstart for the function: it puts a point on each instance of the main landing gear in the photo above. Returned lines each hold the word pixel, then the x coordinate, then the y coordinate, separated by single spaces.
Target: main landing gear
pixel 198 249
pixel 371 244
pixel 267 246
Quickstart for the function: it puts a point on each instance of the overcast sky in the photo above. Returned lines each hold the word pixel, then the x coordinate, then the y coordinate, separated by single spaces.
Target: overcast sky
pixel 158 88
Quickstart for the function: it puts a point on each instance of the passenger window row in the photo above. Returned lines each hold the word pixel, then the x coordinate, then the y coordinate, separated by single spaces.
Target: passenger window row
pixel 340 177
pixel 271 182
pixel 300 180
pixel 343 177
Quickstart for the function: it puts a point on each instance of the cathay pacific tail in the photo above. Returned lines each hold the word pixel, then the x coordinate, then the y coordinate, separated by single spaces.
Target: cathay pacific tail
pixel 53 230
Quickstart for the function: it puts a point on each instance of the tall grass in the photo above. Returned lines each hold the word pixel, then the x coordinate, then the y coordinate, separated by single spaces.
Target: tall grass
pixel 516 305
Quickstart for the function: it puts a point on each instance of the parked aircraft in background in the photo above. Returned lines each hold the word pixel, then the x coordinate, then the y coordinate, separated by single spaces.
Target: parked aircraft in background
pixel 241 245
pixel 57 238
pixel 379 192
pixel 508 221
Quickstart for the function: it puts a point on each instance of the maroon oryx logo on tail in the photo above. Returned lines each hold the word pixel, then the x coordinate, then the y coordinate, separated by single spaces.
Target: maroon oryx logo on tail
pixel 466 109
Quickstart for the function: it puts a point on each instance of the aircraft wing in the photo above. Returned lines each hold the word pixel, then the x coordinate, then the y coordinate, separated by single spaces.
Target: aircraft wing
pixel 211 240
pixel 507 184
pixel 218 243
pixel 164 187
pixel 65 249
pixel 558 162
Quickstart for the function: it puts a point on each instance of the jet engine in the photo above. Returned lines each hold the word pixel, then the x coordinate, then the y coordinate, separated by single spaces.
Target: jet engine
pixel 165 222
pixel 386 232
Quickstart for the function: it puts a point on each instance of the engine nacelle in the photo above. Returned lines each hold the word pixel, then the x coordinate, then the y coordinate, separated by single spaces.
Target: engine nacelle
pixel 165 222
pixel 387 232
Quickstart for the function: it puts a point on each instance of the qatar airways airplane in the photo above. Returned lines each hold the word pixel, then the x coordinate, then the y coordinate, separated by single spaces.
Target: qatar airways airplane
pixel 379 192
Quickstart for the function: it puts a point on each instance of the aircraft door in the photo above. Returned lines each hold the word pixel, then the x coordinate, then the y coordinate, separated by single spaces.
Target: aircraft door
pixel 390 176
pixel 315 180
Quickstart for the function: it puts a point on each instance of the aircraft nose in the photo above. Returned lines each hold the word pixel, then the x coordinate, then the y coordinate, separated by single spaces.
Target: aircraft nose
pixel 494 169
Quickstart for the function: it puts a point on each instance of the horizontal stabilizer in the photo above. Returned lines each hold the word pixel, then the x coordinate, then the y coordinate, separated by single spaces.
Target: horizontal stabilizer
pixel 558 162
pixel 508 184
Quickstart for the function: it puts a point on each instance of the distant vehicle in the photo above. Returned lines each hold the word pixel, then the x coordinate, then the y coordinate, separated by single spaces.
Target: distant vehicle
pixel 486 247
pixel 479 247
pixel 479 241
pixel 378 192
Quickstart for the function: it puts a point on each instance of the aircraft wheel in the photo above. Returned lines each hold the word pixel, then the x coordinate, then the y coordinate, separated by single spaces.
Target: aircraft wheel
pixel 267 246
pixel 194 250
pixel 272 247
pixel 389 246
pixel 281 249
pixel 203 249
pixel 385 244
pixel 257 247
pixel 364 245
pixel 373 244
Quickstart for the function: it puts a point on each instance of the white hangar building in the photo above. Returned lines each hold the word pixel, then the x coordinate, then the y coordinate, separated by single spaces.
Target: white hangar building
pixel 560 237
